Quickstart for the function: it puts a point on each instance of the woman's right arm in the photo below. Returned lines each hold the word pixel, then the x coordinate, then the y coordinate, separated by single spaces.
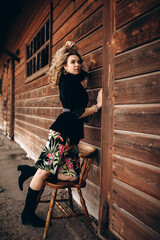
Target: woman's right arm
pixel 93 109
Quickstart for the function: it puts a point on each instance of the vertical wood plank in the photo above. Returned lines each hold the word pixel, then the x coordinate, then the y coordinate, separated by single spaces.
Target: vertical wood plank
pixel 107 119
pixel 11 123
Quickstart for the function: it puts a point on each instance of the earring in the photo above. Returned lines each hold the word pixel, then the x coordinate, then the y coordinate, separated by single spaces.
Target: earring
pixel 65 72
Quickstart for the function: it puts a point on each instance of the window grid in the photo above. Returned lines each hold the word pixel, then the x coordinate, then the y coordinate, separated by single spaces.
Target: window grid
pixel 37 50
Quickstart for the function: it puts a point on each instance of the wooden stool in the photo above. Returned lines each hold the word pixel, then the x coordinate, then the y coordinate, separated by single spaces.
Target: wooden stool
pixel 85 153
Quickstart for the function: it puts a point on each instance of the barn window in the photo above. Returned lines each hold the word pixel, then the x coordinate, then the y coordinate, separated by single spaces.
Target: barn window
pixel 37 52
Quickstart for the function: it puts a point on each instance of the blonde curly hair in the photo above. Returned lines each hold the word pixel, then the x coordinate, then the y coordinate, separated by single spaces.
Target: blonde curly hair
pixel 59 60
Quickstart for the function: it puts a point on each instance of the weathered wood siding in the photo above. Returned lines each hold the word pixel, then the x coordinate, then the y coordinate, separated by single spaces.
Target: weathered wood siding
pixel 36 104
pixel 136 160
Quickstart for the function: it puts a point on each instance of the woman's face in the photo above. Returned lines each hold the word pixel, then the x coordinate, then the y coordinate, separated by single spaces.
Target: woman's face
pixel 73 65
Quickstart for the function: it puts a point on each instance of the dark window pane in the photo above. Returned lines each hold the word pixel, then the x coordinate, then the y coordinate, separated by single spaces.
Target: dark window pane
pixel 30 67
pixel 47 54
pixel 38 61
pixel 38 40
pixel 34 65
pixel 27 52
pixel 35 44
pixel 42 36
pixel 43 58
pixel 31 49
pixel 47 30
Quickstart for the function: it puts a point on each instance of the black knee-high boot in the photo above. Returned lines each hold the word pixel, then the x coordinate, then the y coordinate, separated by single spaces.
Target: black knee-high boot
pixel 28 216
pixel 26 172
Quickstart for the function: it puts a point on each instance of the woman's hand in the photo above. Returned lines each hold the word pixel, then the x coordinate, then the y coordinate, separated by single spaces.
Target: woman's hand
pixel 71 44
pixel 99 99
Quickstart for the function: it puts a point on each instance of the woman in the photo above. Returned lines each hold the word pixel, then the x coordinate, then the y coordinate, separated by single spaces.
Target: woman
pixel 60 156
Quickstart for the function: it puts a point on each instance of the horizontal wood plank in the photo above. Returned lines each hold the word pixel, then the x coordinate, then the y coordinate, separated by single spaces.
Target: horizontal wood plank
pixel 141 147
pixel 51 113
pixel 55 3
pixel 48 101
pixel 95 78
pixel 37 92
pixel 44 123
pixel 19 81
pixel 20 70
pixel 83 30
pixel 95 120
pixel 79 16
pixel 30 137
pixel 143 177
pixel 91 192
pixel 32 149
pixel 141 60
pixel 94 59
pixel 40 132
pixel 65 14
pixel 138 118
pixel 92 135
pixel 147 210
pixel 42 81
pixel 142 30
pixel 126 225
pixel 128 10
pixel 94 175
pixel 63 11
pixel 141 89
pixel 91 42
pixel 59 8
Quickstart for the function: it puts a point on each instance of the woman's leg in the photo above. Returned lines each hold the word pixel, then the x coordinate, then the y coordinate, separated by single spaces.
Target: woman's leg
pixel 38 179
pixel 28 215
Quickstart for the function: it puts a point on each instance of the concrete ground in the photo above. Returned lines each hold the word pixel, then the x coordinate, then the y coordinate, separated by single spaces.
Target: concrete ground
pixel 12 203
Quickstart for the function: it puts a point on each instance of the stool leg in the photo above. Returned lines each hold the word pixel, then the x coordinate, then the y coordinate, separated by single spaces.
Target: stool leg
pixel 84 206
pixel 48 219
pixel 70 197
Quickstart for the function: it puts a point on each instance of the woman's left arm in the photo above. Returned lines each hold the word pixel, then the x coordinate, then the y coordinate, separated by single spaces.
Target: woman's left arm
pixel 93 109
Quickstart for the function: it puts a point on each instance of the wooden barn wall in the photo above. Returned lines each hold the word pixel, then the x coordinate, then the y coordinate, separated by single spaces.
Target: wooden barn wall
pixel 36 103
pixel 136 160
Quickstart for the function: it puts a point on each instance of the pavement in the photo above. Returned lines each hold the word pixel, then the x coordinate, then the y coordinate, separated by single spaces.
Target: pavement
pixel 12 203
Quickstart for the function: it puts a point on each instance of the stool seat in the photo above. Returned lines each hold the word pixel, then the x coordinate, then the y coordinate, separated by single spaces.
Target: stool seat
pixel 65 184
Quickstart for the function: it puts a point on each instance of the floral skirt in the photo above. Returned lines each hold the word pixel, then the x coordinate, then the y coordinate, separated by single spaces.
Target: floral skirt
pixel 59 155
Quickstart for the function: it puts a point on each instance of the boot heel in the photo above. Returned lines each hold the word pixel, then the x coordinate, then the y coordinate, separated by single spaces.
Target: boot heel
pixel 26 172
pixel 24 220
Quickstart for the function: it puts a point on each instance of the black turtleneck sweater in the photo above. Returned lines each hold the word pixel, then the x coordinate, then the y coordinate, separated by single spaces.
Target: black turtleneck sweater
pixel 74 97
